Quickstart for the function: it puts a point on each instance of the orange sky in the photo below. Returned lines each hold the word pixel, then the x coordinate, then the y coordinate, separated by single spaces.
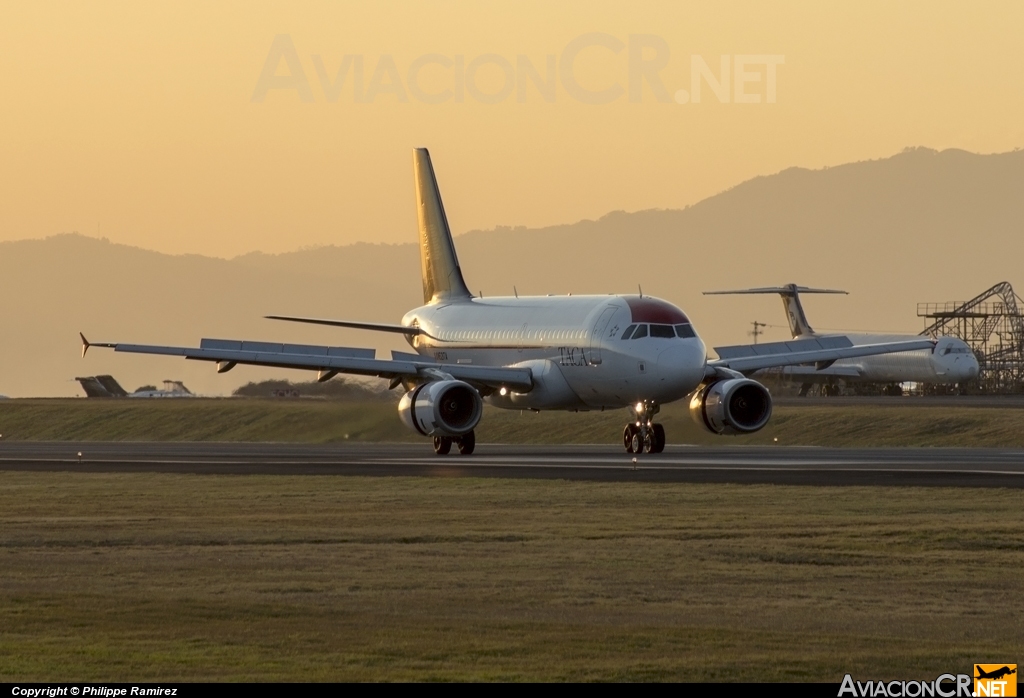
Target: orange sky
pixel 140 117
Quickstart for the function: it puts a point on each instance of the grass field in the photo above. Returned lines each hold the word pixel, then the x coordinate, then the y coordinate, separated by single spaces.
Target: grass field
pixel 107 577
pixel 331 421
pixel 321 421
pixel 150 577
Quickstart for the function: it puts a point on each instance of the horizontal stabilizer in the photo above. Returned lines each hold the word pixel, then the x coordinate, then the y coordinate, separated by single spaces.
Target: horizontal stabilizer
pixel 374 326
pixel 789 288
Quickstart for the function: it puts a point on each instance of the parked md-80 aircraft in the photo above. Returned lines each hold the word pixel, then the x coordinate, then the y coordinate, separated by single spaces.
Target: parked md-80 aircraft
pixel 540 353
pixel 949 361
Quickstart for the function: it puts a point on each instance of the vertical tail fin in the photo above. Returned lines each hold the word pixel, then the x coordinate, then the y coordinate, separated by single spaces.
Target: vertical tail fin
pixel 101 386
pixel 790 293
pixel 798 323
pixel 92 387
pixel 442 277
pixel 112 386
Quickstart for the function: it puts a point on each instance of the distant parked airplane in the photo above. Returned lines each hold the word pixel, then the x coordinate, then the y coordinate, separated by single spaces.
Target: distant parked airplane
pixel 106 386
pixel 540 353
pixel 101 386
pixel 948 361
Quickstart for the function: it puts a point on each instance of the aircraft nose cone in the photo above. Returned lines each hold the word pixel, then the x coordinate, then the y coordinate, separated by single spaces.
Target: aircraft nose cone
pixel 973 369
pixel 682 364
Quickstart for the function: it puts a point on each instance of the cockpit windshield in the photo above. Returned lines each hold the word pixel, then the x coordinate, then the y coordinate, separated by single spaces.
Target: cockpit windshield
pixel 682 331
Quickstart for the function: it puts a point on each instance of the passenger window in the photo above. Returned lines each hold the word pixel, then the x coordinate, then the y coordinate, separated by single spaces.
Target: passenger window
pixel 641 331
pixel 663 331
pixel 629 332
pixel 685 332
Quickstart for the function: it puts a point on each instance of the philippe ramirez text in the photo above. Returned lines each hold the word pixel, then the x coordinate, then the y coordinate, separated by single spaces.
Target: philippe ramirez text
pixel 104 691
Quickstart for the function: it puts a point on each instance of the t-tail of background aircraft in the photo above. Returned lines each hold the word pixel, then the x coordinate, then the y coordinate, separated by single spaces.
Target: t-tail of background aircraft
pixel 790 293
pixel 949 361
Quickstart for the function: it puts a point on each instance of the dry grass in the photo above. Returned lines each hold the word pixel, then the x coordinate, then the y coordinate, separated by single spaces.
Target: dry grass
pixel 162 577
pixel 320 421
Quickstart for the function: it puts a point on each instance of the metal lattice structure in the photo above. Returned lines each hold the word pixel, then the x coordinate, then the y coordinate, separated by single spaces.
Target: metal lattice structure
pixel 992 324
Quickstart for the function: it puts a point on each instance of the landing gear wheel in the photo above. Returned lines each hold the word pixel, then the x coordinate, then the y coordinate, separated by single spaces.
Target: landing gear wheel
pixel 636 443
pixel 659 439
pixel 649 442
pixel 627 437
pixel 467 443
pixel 442 445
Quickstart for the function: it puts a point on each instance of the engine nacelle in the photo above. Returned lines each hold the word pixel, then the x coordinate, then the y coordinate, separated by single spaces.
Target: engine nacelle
pixel 734 406
pixel 442 408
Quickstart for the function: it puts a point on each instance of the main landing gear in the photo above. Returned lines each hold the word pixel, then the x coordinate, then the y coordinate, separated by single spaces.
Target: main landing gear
pixel 465 443
pixel 642 435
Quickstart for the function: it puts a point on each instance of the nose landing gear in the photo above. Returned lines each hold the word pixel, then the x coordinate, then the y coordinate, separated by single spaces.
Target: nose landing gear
pixel 642 435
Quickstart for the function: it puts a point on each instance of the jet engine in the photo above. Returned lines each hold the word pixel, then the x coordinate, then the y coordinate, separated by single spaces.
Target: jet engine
pixel 734 406
pixel 442 408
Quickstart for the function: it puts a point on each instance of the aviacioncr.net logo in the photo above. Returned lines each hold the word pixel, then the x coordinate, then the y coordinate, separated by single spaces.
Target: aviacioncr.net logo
pixel 995 680
pixel 944 686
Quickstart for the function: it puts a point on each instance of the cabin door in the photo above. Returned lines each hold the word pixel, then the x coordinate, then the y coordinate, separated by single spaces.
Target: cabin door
pixel 598 334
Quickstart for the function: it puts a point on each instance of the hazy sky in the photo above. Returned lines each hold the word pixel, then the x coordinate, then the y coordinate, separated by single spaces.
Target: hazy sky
pixel 222 128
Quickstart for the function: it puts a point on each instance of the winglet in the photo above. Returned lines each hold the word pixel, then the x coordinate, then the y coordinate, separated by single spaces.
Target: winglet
pixel 86 344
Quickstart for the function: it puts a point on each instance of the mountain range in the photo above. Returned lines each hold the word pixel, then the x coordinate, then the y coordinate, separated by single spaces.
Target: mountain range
pixel 922 225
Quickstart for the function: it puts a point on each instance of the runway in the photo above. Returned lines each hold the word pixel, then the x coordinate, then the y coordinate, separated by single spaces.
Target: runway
pixel 928 467
pixel 1003 402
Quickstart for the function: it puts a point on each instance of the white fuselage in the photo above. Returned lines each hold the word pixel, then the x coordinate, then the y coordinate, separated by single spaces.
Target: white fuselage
pixel 950 361
pixel 573 345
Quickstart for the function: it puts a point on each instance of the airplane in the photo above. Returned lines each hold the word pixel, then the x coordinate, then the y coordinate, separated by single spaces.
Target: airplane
pixel 107 386
pixel 101 386
pixel 573 353
pixel 995 674
pixel 949 361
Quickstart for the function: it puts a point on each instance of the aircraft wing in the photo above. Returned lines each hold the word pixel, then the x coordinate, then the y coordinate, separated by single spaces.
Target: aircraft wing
pixel 374 326
pixel 821 352
pixel 330 360
pixel 810 372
